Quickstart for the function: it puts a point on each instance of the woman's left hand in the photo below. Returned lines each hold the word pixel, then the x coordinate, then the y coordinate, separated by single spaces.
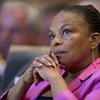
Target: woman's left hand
pixel 48 70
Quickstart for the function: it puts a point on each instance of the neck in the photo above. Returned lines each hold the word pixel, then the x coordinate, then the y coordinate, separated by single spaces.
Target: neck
pixel 83 64
pixel 73 75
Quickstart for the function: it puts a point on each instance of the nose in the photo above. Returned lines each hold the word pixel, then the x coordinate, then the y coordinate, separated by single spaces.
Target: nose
pixel 57 41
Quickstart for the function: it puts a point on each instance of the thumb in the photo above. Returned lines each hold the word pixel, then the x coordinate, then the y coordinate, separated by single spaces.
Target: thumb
pixel 37 77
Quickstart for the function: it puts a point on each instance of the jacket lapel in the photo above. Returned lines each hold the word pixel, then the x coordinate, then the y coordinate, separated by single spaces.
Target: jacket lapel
pixel 76 83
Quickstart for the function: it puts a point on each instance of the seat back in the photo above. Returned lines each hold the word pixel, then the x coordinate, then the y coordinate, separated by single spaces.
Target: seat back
pixel 19 59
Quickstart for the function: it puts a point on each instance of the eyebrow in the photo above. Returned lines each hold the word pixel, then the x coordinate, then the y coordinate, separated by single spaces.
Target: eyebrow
pixel 64 26
pixel 60 27
pixel 50 31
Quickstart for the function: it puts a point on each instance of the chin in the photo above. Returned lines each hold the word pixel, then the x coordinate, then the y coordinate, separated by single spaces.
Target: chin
pixel 62 60
pixel 63 63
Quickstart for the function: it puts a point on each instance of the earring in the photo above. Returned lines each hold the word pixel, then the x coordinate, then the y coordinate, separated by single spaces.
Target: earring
pixel 93 55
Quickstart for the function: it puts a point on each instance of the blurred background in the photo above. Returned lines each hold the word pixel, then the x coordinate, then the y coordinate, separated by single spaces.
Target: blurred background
pixel 43 12
pixel 24 26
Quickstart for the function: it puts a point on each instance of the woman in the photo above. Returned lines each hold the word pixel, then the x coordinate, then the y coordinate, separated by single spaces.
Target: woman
pixel 75 38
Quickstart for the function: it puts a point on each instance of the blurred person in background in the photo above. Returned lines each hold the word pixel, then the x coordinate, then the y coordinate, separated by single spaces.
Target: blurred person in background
pixel 17 19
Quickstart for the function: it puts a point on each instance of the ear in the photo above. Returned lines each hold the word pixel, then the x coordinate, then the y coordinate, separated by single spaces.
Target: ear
pixel 95 40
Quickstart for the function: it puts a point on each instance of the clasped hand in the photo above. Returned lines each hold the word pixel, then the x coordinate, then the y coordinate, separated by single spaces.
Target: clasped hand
pixel 44 67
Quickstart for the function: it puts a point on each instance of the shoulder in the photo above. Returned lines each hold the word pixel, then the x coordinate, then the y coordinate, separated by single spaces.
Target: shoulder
pixel 96 76
pixel 94 80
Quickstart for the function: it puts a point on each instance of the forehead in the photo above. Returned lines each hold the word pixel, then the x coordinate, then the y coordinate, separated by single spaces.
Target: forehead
pixel 70 18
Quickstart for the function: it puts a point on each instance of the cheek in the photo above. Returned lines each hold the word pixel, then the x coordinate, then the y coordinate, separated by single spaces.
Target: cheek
pixel 72 44
pixel 77 48
pixel 75 42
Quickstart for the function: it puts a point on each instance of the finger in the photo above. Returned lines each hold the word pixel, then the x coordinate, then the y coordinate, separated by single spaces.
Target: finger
pixel 55 59
pixel 37 77
pixel 48 58
pixel 36 64
pixel 53 56
pixel 44 61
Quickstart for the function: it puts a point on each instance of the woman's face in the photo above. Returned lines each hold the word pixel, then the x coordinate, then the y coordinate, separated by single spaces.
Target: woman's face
pixel 70 40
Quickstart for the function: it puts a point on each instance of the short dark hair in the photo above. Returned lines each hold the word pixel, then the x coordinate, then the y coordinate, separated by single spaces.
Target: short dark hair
pixel 90 14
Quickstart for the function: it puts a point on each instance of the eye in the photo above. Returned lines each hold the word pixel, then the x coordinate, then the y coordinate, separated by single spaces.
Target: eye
pixel 66 32
pixel 52 36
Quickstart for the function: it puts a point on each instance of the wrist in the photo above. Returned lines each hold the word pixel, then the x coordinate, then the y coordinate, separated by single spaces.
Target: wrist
pixel 57 79
pixel 58 85
pixel 18 91
pixel 25 83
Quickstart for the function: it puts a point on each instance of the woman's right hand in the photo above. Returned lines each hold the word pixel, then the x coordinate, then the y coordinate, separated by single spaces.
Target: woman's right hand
pixel 31 75
pixel 18 91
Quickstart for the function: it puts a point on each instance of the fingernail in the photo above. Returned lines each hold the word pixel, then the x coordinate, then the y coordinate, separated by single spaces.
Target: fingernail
pixel 48 63
pixel 38 65
pixel 54 64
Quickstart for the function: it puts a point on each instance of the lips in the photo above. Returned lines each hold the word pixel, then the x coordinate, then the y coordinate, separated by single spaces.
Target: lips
pixel 59 53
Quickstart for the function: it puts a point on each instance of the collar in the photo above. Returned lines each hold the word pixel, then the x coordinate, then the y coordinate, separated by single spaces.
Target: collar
pixel 92 68
pixel 35 91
